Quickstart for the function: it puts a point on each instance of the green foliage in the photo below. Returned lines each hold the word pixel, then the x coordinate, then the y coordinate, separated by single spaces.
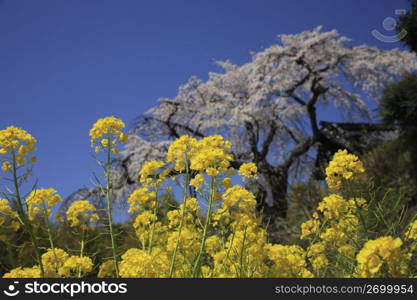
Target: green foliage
pixel 408 22
pixel 303 198
pixel 394 175
pixel 399 104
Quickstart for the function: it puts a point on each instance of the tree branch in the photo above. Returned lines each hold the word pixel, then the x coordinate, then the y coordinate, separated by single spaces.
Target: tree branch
pixel 268 140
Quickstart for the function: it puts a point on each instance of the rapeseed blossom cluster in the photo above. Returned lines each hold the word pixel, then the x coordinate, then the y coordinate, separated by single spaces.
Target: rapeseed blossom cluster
pixel 57 263
pixel 41 201
pixel 180 151
pixel 197 181
pixel 19 272
pixel 177 247
pixel 53 260
pixel 81 213
pixel 338 223
pixel 383 251
pixel 106 133
pixel 8 217
pixel 142 199
pixel 231 243
pixel 248 170
pixel 310 227
pixel 316 256
pixel 335 230
pixel 238 196
pixel 289 261
pixel 216 230
pixel 148 173
pixel 210 155
pixel 16 143
pixel 139 263
pixel 344 166
pixel 76 265
pixel 106 269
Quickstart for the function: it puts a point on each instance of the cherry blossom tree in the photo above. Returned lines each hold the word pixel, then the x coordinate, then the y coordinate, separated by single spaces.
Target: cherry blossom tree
pixel 268 108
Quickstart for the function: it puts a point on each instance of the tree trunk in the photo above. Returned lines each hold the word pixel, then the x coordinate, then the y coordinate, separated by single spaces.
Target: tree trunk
pixel 273 201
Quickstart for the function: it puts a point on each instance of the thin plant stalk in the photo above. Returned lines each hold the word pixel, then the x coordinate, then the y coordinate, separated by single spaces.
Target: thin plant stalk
pixel 51 241
pixel 153 224
pixel 242 252
pixel 23 217
pixel 197 265
pixel 82 244
pixel 359 210
pixel 185 195
pixel 109 207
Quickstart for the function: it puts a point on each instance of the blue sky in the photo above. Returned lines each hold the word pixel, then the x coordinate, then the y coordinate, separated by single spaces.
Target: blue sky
pixel 66 63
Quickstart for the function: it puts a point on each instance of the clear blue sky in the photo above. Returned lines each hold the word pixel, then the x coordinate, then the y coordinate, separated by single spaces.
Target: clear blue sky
pixel 66 63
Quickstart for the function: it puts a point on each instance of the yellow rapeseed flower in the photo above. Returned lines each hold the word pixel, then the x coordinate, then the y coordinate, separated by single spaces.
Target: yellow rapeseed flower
pixel 412 231
pixel 106 270
pixel 145 218
pixel 343 166
pixel 180 151
pixel 212 156
pixel 149 170
pixel 319 262
pixel 40 201
pixel 18 142
pixel 74 264
pixel 137 263
pixel 309 227
pixel 197 181
pixel 333 206
pixel 107 132
pixel 141 198
pixel 238 195
pixel 347 250
pixel 382 250
pixel 52 260
pixel 227 182
pixel 248 170
pixel 316 249
pixel 20 272
pixel 81 213
pixel 5 167
pixel 8 217
pixel 289 261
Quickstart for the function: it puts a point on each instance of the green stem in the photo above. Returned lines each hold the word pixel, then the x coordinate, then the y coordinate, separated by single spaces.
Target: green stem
pixel 197 265
pixel 109 208
pixel 242 251
pixel 153 224
pixel 51 242
pixel 23 216
pixel 223 267
pixel 185 195
pixel 10 254
pixel 81 250
pixel 359 210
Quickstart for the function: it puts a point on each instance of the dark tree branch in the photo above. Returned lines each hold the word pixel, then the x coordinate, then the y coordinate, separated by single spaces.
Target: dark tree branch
pixel 253 140
pixel 268 140
pixel 298 150
pixel 173 127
